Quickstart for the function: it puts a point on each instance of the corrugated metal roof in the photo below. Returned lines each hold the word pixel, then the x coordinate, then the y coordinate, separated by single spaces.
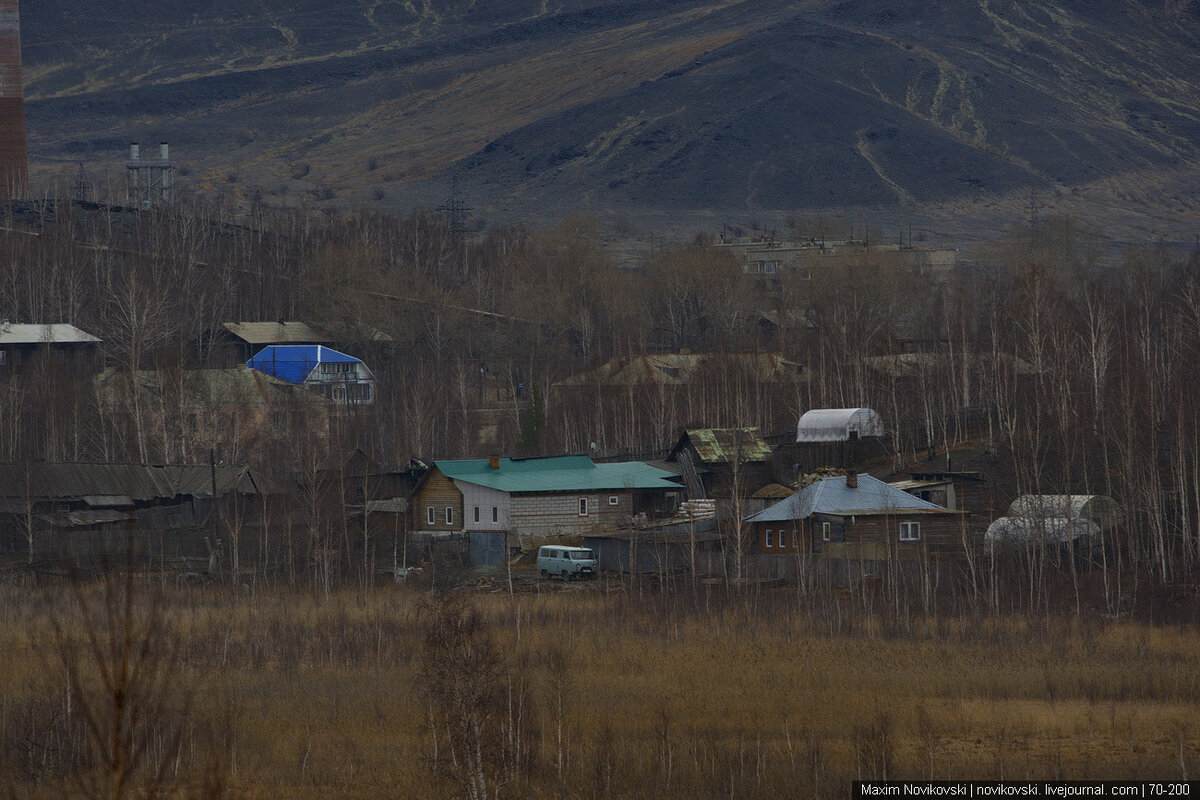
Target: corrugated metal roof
pixel 722 445
pixel 557 474
pixel 59 332
pixel 277 332
pixel 295 362
pixel 833 496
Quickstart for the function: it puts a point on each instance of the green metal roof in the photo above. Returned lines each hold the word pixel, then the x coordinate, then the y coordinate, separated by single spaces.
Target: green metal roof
pixel 557 474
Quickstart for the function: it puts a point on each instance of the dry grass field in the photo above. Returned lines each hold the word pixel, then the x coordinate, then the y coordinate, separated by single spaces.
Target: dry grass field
pixel 276 694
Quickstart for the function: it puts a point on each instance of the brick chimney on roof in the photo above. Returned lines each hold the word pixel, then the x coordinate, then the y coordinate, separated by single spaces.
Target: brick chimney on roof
pixel 494 462
pixel 851 479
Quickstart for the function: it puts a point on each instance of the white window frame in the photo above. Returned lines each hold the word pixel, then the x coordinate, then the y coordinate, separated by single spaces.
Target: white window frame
pixel 613 500
pixel 449 515
pixel 430 515
pixel 769 539
pixel 910 531
pixel 795 539
pixel 583 506
pixel 826 531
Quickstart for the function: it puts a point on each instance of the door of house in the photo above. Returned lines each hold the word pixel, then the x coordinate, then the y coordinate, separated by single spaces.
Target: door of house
pixel 487 548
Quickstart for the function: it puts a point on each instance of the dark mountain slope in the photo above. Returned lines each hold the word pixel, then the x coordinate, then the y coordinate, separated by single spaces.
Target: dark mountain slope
pixel 719 107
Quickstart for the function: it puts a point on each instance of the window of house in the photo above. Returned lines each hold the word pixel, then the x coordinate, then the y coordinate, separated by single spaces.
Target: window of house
pixel 795 538
pixel 495 514
pixel 583 509
pixel 770 267
pixel 806 274
pixel 449 515
pixel 477 513
pixel 613 500
pixel 768 537
pixel 910 531
pixel 429 517
pixel 3 357
pixel 826 531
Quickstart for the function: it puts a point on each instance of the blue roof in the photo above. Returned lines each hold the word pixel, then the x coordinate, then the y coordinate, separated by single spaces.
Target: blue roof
pixel 295 362
pixel 833 496
pixel 557 474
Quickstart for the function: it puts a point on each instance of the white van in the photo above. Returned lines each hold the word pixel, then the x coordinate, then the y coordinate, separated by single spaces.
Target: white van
pixel 568 563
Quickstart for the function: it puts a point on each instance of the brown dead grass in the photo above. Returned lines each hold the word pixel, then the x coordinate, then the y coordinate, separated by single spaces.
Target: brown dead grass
pixel 743 699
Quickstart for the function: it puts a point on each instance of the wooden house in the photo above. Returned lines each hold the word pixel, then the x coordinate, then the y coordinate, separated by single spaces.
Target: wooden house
pixel 63 347
pixel 857 517
pixel 178 517
pixel 717 462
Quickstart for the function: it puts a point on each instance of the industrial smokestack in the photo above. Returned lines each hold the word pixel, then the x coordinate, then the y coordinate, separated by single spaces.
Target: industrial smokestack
pixel 14 160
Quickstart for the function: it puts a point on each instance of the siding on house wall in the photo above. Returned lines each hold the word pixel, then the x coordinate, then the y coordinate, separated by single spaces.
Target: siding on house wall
pixel 941 535
pixel 437 492
pixel 558 514
pixel 485 499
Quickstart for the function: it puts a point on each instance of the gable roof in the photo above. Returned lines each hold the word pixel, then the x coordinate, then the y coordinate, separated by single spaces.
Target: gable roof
pixel 833 496
pixel 557 474
pixel 295 362
pixel 55 333
pixel 720 445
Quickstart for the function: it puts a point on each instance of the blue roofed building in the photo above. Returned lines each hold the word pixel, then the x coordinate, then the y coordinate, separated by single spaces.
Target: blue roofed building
pixel 344 379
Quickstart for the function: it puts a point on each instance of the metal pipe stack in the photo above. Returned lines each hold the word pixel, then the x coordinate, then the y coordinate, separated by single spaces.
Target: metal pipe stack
pixel 14 163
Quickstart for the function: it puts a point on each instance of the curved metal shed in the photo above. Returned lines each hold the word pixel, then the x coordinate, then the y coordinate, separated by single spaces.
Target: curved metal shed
pixel 1047 530
pixel 838 425
pixel 1097 508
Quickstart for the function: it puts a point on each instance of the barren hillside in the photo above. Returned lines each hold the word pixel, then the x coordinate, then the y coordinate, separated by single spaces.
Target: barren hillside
pixel 707 110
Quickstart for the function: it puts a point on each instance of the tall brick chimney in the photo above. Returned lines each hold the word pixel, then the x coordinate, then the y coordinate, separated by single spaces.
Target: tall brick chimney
pixel 14 160
pixel 851 479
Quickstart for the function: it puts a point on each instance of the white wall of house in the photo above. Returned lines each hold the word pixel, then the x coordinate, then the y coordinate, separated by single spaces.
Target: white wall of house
pixel 493 507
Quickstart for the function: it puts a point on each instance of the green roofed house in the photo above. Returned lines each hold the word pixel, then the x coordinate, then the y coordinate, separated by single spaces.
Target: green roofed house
pixel 497 500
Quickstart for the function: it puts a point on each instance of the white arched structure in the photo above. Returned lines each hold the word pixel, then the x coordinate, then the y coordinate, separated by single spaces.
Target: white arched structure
pixel 838 425
pixel 1045 530
pixel 1096 508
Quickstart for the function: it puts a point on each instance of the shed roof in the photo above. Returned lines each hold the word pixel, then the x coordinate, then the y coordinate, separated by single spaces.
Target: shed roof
pixel 276 332
pixel 837 424
pixel 833 496
pixel 54 333
pixel 295 362
pixel 723 445
pixel 123 483
pixel 557 474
